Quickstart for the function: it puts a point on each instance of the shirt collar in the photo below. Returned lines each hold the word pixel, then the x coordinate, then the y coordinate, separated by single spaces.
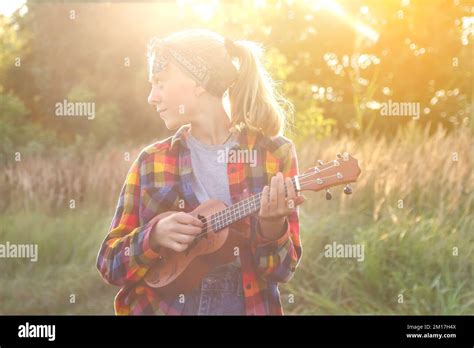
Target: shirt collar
pixel 244 139
pixel 180 136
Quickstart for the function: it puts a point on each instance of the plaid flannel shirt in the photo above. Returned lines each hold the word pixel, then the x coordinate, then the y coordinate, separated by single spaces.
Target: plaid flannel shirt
pixel 158 180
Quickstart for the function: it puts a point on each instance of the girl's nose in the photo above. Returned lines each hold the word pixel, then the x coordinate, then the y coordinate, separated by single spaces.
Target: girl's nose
pixel 153 97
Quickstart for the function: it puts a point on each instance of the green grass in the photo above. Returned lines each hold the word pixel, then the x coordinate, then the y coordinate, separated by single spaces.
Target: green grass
pixel 413 257
pixel 67 250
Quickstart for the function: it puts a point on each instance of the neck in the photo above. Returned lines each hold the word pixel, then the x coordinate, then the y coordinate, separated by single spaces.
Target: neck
pixel 211 126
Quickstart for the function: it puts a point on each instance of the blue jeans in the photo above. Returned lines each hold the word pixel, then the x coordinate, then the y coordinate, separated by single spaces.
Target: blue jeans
pixel 220 293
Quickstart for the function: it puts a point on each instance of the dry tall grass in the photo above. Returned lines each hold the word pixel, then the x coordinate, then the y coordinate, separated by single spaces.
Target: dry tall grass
pixel 432 172
pixel 49 184
pixel 421 170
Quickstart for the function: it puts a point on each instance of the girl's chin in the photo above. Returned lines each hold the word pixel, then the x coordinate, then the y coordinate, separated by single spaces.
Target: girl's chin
pixel 171 125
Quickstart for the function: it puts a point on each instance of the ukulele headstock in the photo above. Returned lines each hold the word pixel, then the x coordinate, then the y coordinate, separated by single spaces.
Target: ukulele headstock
pixel 343 170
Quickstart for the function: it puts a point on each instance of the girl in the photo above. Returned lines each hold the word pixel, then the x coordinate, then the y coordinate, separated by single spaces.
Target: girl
pixel 212 155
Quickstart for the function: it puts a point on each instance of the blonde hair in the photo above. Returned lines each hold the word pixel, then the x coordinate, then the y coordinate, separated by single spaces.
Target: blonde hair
pixel 254 99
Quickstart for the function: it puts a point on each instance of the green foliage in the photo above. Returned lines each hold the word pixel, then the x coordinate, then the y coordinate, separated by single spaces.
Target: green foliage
pixel 12 42
pixel 17 134
pixel 105 125
pixel 321 62
pixel 101 128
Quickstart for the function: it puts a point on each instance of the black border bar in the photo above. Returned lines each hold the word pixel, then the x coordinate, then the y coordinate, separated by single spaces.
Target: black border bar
pixel 291 330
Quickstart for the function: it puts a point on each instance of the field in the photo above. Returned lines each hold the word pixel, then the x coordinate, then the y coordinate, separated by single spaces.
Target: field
pixel 412 210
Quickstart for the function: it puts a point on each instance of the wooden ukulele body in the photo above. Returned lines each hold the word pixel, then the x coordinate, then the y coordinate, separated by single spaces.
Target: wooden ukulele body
pixel 180 272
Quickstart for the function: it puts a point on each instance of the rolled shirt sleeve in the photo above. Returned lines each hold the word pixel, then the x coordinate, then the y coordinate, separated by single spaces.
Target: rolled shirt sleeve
pixel 126 254
pixel 278 259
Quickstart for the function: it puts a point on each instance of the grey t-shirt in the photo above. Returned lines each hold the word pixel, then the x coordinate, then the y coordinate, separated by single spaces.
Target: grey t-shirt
pixel 209 163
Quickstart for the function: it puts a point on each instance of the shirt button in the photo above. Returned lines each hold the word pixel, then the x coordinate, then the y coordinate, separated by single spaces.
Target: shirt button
pixel 248 286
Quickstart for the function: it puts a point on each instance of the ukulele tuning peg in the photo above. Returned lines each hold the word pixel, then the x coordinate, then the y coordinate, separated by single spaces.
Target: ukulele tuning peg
pixel 347 190
pixel 339 155
pixel 320 162
pixel 328 195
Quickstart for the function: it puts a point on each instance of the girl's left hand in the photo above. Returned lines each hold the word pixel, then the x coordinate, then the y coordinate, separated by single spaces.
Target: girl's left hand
pixel 275 206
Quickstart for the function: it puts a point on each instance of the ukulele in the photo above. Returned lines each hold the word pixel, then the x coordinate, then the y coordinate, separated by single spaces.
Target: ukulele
pixel 179 272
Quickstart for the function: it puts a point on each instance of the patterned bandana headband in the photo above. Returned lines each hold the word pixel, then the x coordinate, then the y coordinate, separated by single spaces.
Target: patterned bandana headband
pixel 161 52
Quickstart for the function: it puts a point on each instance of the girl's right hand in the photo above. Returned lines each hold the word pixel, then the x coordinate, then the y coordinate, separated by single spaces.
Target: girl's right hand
pixel 176 231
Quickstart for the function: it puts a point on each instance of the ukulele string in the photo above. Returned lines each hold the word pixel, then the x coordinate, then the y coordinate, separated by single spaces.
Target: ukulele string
pixel 210 221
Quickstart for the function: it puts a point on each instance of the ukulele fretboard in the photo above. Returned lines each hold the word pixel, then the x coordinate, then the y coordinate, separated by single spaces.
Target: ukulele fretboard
pixel 238 211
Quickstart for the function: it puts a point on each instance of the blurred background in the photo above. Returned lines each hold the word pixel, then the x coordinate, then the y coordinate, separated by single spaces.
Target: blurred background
pixel 340 63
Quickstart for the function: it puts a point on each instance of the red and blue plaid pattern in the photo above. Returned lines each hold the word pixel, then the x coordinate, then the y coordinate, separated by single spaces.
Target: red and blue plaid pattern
pixel 159 180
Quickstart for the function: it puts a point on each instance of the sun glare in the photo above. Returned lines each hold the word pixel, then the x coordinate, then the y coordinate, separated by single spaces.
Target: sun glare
pixel 7 7
pixel 336 9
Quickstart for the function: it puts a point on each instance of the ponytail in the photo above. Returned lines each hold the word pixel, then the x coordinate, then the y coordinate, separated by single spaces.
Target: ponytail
pixel 254 100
